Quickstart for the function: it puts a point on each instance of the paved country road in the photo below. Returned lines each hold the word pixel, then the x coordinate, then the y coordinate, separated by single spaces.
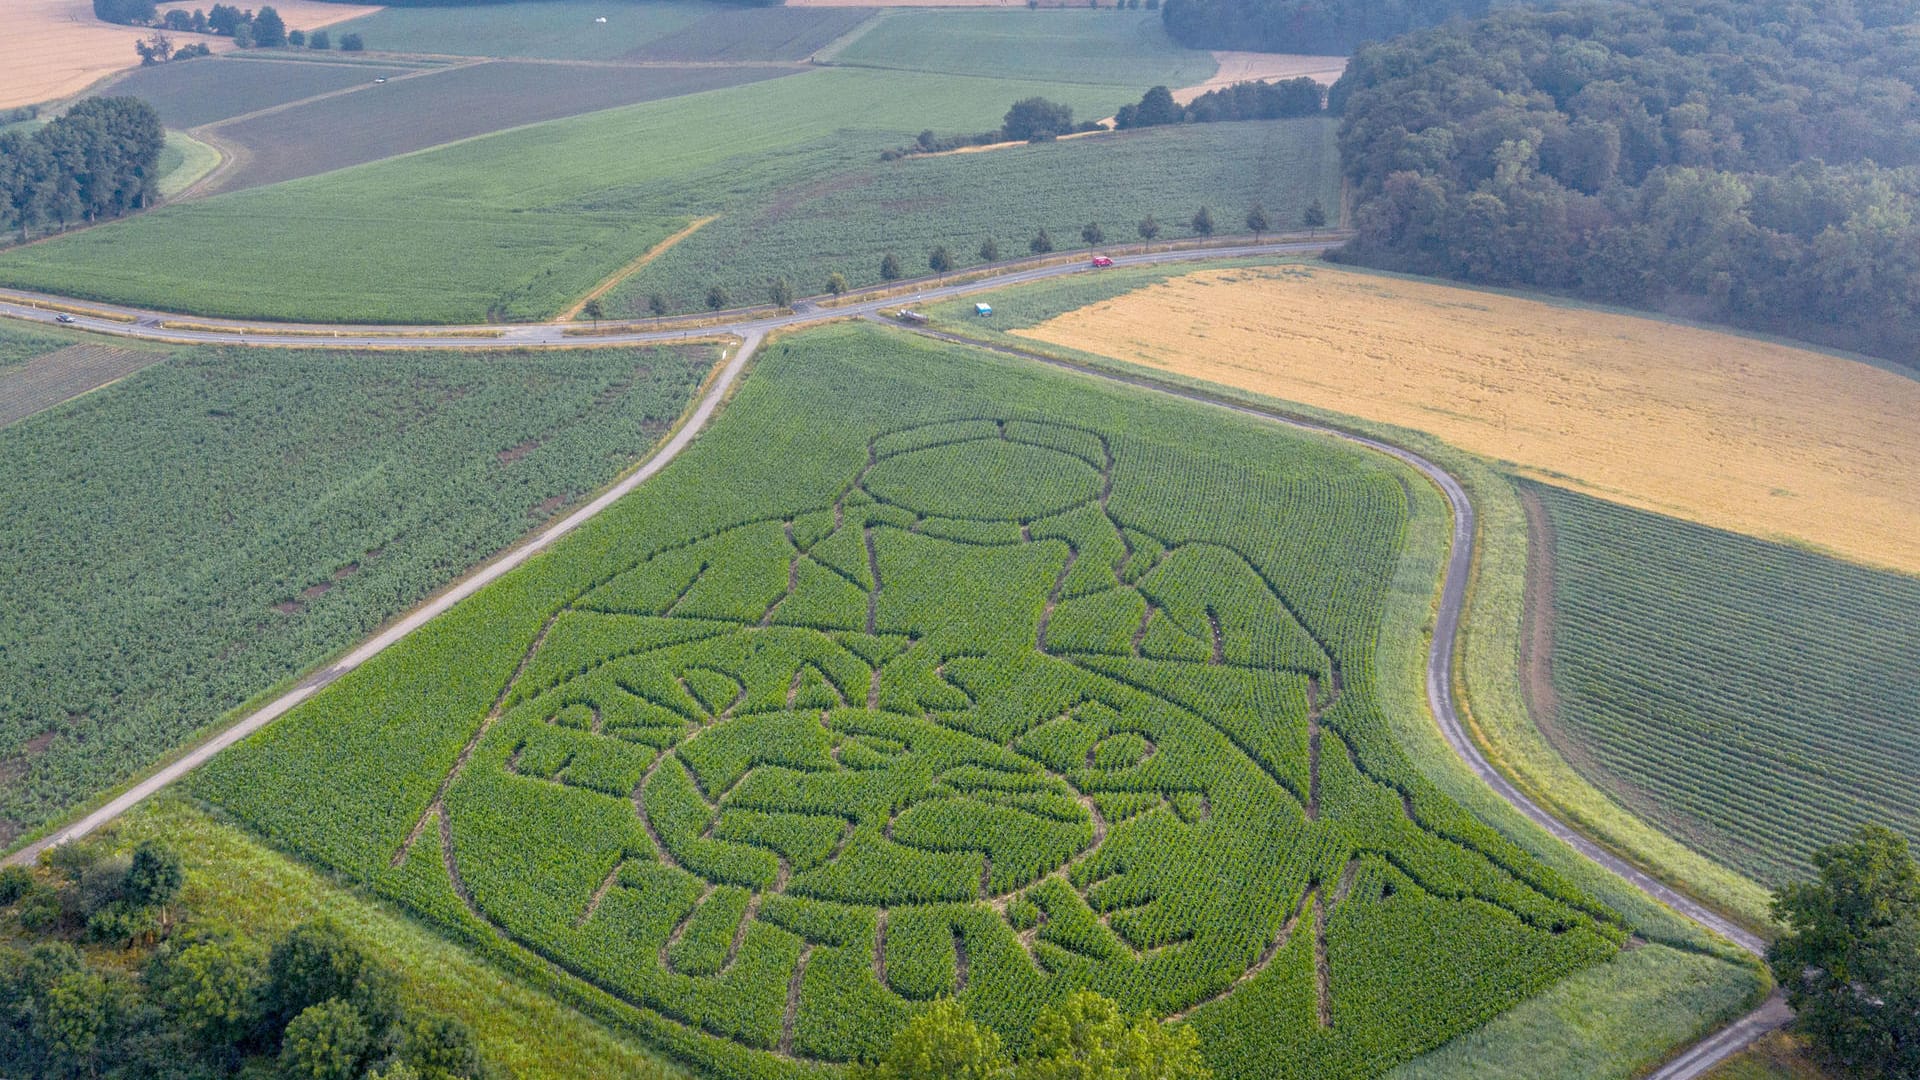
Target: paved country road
pixel 147 324
pixel 1694 1062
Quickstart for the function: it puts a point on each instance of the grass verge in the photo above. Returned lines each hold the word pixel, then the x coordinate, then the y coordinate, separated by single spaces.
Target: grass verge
pixel 236 878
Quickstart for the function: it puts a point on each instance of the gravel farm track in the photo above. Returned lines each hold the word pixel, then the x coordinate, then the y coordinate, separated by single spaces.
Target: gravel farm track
pixel 750 329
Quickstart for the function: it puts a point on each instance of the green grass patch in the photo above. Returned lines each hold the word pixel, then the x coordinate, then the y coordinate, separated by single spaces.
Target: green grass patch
pixel 19 344
pixel 1756 699
pixel 516 225
pixel 183 161
pixel 894 665
pixel 1611 1022
pixel 1106 46
pixel 185 539
pixel 552 29
pixel 845 221
pixel 1777 1056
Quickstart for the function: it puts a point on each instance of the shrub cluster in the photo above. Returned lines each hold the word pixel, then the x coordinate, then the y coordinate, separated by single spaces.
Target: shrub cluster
pixel 200 1000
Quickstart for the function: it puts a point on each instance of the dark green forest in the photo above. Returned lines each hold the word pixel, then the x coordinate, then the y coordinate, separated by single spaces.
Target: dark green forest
pixel 1754 162
pixel 100 160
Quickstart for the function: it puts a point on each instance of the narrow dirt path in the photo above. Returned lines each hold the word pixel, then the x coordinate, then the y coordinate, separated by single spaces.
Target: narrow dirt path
pixel 634 267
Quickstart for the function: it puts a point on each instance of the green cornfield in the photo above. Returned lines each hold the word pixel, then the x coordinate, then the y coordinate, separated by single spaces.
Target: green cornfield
pixel 186 538
pixel 927 674
pixel 1754 699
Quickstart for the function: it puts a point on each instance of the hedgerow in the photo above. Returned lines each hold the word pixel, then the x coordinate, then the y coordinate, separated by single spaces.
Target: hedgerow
pixel 947 777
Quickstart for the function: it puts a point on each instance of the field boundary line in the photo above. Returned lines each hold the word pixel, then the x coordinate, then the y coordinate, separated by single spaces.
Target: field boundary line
pixel 611 281
pixel 715 393
pixel 109 363
pixel 828 54
pixel 356 88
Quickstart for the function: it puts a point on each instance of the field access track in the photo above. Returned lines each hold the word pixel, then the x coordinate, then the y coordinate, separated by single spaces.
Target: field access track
pixel 1696 1061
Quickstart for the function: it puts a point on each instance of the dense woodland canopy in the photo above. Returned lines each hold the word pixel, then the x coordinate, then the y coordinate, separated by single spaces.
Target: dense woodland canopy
pixel 98 161
pixel 1755 161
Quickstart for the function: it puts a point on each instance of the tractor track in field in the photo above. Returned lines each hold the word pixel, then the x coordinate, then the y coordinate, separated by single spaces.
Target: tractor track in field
pixel 751 328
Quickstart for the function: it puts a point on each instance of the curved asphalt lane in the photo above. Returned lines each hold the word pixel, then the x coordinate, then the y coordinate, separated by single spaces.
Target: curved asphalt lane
pixel 1696 1061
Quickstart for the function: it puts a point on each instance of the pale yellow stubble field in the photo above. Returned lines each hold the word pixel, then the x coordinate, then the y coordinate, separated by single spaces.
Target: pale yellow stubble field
pixel 55 48
pixel 1765 439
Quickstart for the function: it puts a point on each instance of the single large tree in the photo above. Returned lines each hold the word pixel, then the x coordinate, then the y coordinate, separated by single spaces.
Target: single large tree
pixel 327 1041
pixel 1156 108
pixel 1203 222
pixel 1315 217
pixel 155 877
pixel 940 260
pixel 1041 244
pixel 1037 118
pixel 1086 1037
pixel 889 267
pixel 269 29
pixel 213 988
pixel 1148 228
pixel 939 1044
pixel 1850 961
pixel 1257 222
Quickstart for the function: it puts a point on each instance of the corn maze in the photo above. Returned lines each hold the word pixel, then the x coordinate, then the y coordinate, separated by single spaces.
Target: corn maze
pixel 979 683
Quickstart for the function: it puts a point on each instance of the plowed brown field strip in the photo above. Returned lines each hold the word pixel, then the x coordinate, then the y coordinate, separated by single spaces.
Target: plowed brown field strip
pixel 1761 438
pixel 46 381
pixel 57 47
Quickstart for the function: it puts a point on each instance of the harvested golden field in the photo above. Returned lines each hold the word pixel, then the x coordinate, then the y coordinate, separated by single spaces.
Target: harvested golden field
pixel 1239 67
pixel 1764 439
pixel 56 48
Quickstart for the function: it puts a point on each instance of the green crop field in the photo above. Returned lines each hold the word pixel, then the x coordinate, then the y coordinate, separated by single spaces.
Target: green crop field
pixel 1754 699
pixel 181 541
pixel 18 344
pixel 776 33
pixel 551 29
pixel 1121 48
pixel 844 222
pixel 519 224
pixel 988 682
pixel 218 88
pixel 396 118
